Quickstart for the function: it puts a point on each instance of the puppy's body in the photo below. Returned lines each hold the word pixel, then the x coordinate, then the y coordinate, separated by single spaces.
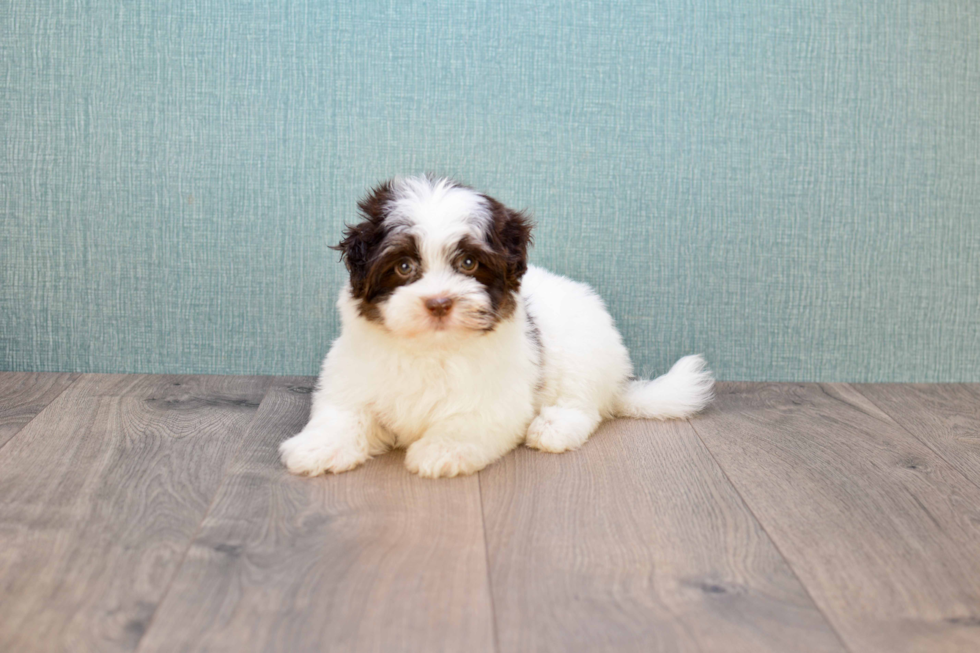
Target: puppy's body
pixel 519 355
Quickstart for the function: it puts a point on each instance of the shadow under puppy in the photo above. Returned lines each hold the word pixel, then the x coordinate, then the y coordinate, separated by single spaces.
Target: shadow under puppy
pixel 453 347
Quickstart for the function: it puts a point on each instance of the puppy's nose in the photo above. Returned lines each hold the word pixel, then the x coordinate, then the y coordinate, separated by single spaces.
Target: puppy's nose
pixel 439 306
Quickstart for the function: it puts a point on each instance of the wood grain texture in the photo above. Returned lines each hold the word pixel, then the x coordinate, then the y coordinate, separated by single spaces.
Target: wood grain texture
pixel 101 497
pixel 637 542
pixel 25 394
pixel 946 418
pixel 883 532
pixel 151 513
pixel 180 391
pixel 375 559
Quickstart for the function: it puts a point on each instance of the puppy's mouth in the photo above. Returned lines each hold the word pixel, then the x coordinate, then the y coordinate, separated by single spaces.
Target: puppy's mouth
pixel 459 321
pixel 442 323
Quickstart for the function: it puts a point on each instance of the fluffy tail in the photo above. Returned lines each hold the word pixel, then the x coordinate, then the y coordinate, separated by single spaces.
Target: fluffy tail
pixel 683 391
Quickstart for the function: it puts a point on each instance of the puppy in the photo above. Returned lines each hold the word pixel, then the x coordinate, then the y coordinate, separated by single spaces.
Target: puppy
pixel 454 348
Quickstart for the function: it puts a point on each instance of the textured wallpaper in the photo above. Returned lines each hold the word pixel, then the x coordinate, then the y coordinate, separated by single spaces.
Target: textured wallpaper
pixel 791 188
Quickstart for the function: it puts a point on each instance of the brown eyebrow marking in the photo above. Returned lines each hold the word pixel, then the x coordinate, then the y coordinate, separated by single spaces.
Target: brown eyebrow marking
pixel 469 245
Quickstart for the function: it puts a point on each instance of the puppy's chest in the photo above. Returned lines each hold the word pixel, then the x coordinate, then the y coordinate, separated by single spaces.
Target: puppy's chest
pixel 411 398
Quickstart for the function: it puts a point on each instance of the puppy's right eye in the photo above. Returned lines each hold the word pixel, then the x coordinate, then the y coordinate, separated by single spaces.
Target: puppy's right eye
pixel 405 267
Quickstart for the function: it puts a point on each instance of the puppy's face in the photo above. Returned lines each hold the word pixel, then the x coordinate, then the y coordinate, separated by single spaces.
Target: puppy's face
pixel 435 257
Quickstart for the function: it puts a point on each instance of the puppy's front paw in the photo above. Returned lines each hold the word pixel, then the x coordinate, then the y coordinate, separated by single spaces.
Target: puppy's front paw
pixel 560 429
pixel 435 458
pixel 315 451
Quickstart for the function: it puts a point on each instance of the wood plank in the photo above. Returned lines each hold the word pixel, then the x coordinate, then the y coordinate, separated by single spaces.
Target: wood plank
pixel 25 394
pixel 883 532
pixel 184 390
pixel 946 418
pixel 101 497
pixel 375 559
pixel 637 542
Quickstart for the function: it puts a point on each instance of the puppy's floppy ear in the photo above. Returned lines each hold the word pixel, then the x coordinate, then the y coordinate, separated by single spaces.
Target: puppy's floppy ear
pixel 362 239
pixel 510 234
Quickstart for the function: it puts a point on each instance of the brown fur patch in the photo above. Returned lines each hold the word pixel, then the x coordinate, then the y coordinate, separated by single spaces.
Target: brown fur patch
pixel 382 279
pixel 371 251
pixel 492 274
pixel 508 238
pixel 362 239
pixel 534 337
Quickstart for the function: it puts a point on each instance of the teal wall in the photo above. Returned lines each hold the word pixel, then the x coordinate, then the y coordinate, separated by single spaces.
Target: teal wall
pixel 790 187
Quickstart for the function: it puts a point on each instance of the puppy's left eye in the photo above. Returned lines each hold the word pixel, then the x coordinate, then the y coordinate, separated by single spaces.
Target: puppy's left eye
pixel 405 267
pixel 468 264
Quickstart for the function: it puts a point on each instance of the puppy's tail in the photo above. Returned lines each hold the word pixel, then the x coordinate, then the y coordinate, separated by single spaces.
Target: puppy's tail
pixel 683 391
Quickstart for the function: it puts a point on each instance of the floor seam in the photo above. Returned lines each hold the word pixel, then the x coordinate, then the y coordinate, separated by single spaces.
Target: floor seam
pixel 41 412
pixel 924 443
pixel 789 565
pixel 200 524
pixel 486 555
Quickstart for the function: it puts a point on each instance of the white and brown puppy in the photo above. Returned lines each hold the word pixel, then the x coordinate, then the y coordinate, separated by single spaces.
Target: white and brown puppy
pixel 453 347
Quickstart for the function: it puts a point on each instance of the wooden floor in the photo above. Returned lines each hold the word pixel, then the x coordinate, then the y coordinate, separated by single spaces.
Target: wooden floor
pixel 150 513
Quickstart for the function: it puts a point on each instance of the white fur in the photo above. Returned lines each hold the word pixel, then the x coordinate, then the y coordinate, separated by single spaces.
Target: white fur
pixel 459 397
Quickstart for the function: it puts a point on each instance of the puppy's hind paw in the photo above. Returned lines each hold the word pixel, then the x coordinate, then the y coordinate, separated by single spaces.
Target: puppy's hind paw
pixel 558 429
pixel 313 452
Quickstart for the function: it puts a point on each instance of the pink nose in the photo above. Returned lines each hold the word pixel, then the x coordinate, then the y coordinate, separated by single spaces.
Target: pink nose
pixel 438 306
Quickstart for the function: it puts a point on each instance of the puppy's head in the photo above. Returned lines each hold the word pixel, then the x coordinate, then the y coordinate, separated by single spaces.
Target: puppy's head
pixel 431 256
